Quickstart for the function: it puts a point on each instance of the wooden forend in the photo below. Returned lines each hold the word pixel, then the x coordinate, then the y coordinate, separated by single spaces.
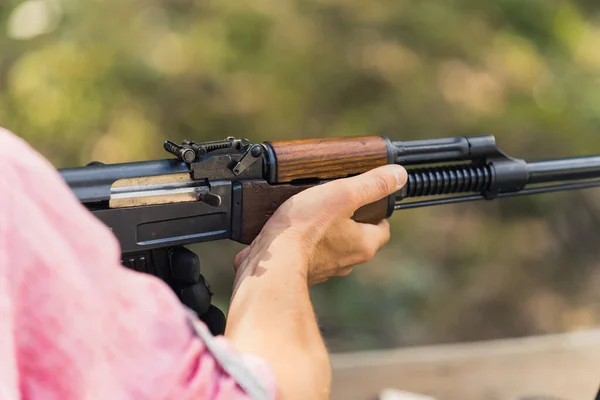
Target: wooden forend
pixel 261 200
pixel 328 158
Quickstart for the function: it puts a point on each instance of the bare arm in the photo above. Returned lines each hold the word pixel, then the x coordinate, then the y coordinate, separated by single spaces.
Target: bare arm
pixel 309 239
pixel 271 316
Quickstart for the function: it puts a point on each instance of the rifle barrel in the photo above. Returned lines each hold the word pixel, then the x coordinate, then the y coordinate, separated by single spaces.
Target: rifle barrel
pixel 543 177
pixel 566 169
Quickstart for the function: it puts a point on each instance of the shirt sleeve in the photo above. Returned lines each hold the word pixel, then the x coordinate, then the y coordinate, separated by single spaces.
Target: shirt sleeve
pixel 77 325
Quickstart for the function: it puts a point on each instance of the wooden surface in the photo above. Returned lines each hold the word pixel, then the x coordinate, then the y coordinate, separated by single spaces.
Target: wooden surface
pixel 260 201
pixel 566 366
pixel 328 158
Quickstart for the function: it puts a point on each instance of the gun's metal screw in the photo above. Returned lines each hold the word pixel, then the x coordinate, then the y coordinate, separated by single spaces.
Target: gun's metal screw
pixel 256 151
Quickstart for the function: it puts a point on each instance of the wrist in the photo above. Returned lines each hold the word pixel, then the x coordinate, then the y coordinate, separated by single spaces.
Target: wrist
pixel 272 272
pixel 281 257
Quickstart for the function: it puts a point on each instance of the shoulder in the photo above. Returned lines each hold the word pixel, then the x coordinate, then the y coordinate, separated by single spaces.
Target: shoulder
pixel 16 153
pixel 9 140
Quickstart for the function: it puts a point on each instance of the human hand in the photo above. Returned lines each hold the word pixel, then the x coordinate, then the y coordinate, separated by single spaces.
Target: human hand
pixel 316 226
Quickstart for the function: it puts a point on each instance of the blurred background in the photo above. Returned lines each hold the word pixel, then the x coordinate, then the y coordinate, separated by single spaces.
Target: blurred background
pixel 110 80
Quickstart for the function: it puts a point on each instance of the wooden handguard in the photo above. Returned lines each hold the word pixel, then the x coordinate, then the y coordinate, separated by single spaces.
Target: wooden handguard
pixel 312 160
pixel 327 158
pixel 261 200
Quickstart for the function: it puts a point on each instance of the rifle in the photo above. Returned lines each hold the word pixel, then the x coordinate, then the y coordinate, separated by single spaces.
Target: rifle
pixel 228 189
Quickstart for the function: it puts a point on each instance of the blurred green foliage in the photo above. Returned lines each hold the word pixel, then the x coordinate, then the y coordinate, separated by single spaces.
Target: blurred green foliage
pixel 109 80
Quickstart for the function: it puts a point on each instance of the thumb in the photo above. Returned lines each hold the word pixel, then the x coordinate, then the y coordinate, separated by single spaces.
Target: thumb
pixel 374 185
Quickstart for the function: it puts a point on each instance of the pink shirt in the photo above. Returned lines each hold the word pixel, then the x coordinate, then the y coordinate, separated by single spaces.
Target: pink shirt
pixel 74 324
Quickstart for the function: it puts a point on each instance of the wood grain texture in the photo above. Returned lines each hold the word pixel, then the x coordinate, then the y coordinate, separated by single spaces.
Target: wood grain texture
pixel 328 158
pixel 260 201
pixel 563 365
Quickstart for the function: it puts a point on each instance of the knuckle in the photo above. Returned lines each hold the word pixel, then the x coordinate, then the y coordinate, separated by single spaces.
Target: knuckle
pixel 367 251
pixel 385 232
pixel 238 258
pixel 324 202
pixel 347 194
pixel 386 237
pixel 382 185
pixel 241 256
pixel 347 190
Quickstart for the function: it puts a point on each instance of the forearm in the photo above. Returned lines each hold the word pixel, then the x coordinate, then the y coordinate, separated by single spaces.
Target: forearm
pixel 271 316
